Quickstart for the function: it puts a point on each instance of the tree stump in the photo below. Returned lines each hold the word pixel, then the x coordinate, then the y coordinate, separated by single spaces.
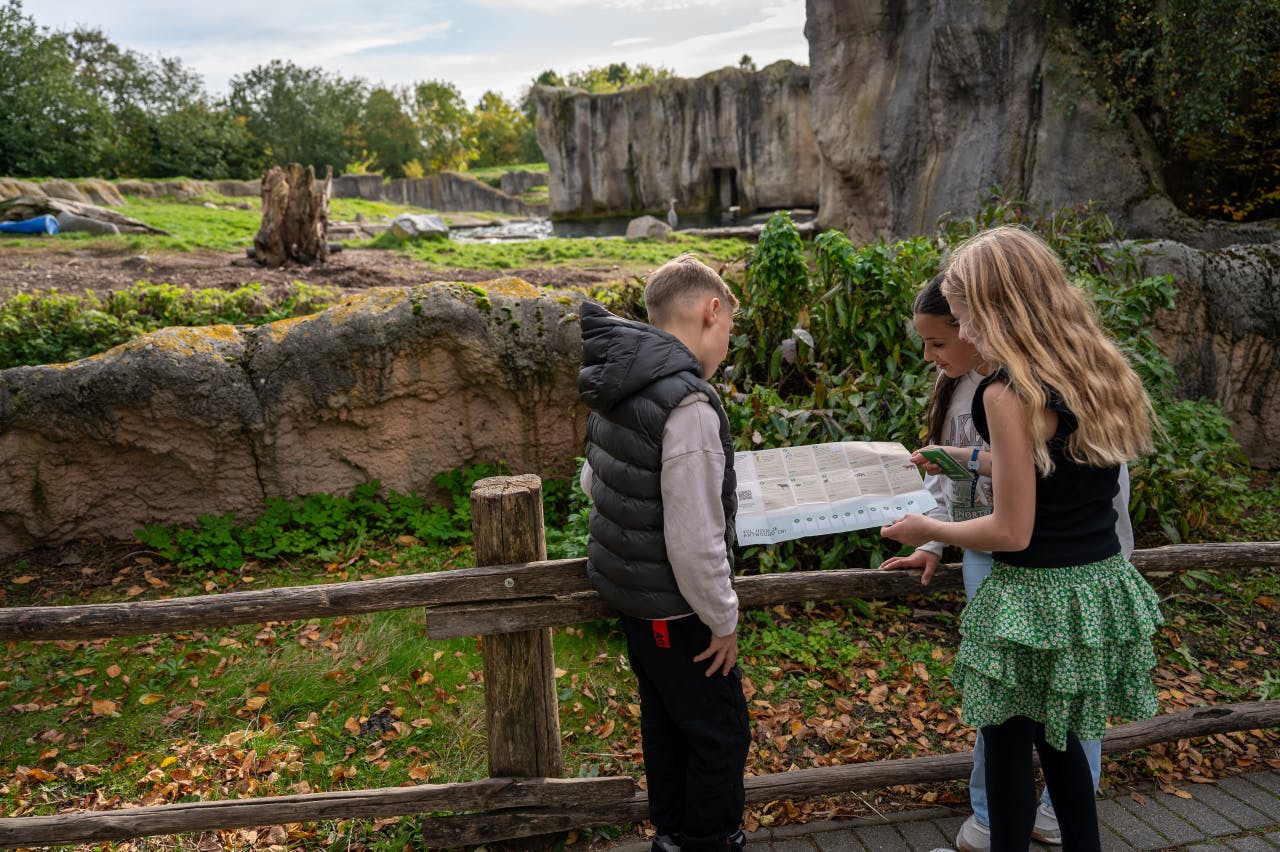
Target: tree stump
pixel 295 217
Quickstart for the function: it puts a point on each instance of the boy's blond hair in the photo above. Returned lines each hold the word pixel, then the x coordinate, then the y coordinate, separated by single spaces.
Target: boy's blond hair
pixel 672 287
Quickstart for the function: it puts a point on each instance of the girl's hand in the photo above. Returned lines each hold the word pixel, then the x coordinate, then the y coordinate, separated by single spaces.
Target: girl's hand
pixel 919 559
pixel 911 530
pixel 933 468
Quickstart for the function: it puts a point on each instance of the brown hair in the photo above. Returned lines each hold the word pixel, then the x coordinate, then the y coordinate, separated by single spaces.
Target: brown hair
pixel 930 302
pixel 1029 319
pixel 669 287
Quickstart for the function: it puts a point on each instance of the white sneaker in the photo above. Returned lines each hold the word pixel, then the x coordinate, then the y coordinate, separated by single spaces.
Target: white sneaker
pixel 1046 829
pixel 973 836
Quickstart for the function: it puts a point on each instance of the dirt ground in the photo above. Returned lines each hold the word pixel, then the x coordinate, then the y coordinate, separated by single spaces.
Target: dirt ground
pixel 77 270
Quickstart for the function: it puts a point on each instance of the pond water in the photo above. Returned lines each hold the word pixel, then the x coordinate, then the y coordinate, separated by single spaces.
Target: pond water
pixel 612 226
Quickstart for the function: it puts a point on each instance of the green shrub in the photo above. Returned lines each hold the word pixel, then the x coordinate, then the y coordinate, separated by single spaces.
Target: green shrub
pixel 54 327
pixel 844 366
pixel 322 525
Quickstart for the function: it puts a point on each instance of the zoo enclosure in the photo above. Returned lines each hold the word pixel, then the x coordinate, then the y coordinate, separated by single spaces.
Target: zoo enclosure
pixel 513 599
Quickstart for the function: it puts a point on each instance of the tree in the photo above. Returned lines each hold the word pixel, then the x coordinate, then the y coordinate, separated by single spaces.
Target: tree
pixel 746 63
pixel 615 76
pixel 497 131
pixel 164 124
pixel 299 114
pixel 52 124
pixel 443 122
pixel 1203 76
pixel 389 133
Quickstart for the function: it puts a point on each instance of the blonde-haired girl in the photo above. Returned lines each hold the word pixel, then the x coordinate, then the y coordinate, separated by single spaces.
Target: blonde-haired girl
pixel 1058 637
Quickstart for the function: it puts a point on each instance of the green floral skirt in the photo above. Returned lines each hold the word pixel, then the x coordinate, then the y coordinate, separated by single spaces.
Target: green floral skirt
pixel 1068 647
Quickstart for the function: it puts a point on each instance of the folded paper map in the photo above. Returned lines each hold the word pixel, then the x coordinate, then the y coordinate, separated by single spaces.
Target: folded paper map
pixel 793 492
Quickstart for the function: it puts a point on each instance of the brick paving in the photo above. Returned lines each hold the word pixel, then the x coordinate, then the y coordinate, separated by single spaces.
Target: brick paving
pixel 1238 814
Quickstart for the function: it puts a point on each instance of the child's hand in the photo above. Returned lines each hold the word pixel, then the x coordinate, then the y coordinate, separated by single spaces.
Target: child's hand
pixel 911 530
pixel 919 559
pixel 723 653
pixel 930 467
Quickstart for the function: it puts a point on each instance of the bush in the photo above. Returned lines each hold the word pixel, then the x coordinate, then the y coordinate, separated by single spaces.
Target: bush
pixel 54 327
pixel 322 525
pixel 839 365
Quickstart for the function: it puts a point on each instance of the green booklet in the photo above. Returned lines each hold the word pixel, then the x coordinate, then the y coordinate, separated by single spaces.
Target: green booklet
pixel 951 468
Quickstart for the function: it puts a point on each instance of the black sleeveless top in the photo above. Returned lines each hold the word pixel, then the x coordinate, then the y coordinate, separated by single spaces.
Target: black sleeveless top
pixel 1075 521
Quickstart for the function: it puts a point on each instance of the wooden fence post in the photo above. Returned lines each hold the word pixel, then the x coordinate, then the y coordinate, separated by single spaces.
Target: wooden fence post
pixel 521 711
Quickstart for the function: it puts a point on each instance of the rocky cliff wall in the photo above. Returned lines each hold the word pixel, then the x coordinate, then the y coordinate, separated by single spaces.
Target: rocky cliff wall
pixel 1223 337
pixel 447 192
pixel 920 105
pixel 398 384
pixel 727 138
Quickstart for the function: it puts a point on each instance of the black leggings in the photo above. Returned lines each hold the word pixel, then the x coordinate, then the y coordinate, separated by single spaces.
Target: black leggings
pixel 1011 787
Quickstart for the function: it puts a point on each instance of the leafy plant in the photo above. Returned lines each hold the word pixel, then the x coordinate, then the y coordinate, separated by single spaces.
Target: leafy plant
pixel 768 331
pixel 54 327
pixel 321 524
pixel 843 366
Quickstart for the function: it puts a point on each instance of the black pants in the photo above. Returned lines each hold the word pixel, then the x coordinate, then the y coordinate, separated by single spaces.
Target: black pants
pixel 1011 787
pixel 695 733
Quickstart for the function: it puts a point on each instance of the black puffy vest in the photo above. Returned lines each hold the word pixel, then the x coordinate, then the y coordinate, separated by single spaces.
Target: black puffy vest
pixel 633 375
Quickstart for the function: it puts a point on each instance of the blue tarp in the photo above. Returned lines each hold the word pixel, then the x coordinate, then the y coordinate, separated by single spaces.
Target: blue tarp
pixel 39 225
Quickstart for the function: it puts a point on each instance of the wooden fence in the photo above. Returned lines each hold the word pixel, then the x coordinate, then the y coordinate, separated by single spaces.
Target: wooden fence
pixel 513 599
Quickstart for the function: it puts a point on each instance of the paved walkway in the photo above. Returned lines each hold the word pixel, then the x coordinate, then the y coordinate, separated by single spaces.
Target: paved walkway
pixel 1240 814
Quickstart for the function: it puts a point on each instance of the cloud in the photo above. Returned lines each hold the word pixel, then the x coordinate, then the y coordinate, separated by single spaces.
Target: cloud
pixel 477 45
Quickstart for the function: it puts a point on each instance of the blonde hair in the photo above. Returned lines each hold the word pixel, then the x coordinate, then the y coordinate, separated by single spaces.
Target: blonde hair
pixel 1028 318
pixel 667 291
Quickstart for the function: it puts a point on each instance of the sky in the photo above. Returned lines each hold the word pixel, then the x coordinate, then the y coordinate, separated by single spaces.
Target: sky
pixel 478 45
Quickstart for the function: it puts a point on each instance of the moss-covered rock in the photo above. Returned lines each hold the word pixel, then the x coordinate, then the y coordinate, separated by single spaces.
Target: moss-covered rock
pixel 397 384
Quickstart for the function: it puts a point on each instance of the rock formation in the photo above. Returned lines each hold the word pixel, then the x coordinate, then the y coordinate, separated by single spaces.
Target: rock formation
pixel 397 384
pixel 1223 338
pixel 90 191
pixel 921 106
pixel 518 182
pixel 446 192
pixel 728 138
pixel 73 215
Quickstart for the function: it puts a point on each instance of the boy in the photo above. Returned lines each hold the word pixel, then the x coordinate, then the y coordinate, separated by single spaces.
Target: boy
pixel 660 472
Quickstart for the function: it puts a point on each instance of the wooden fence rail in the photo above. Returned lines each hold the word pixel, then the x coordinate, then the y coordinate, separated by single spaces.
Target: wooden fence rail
pixel 515 604
pixel 522 596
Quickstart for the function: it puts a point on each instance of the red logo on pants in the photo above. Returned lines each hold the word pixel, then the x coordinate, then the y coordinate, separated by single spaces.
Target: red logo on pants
pixel 661 637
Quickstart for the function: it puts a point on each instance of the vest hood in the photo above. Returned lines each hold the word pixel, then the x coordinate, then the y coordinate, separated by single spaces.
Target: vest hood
pixel 621 357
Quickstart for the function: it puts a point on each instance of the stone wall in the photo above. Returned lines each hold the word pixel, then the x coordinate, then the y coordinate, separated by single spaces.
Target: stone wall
pixel 727 138
pixel 518 182
pixel 921 105
pixel 398 384
pixel 448 192
pixel 1223 337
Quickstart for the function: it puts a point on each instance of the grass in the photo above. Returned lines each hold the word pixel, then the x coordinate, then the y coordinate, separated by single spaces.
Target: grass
pixel 226 228
pixel 489 173
pixel 557 251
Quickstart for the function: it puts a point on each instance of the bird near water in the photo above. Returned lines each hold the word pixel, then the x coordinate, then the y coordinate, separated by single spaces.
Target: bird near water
pixel 672 219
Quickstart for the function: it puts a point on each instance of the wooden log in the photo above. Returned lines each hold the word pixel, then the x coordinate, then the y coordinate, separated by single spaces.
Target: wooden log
pixel 472 829
pixel 295 217
pixel 521 711
pixel 541 594
pixel 489 583
pixel 491 793
pixel 761 590
pixel 513 806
